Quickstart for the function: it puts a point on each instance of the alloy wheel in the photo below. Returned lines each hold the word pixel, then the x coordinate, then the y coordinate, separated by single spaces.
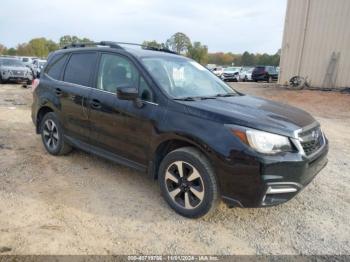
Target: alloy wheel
pixel 50 134
pixel 184 185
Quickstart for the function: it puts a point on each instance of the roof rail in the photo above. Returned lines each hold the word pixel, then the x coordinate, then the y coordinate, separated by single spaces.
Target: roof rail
pixel 102 43
pixel 117 46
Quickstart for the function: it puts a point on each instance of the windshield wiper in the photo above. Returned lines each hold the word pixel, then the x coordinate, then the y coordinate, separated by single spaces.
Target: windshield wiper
pixel 226 95
pixel 194 98
pixel 188 98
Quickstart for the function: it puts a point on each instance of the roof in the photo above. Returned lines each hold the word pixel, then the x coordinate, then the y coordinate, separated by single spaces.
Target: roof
pixel 119 47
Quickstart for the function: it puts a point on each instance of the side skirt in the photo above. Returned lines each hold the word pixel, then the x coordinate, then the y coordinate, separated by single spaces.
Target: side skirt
pixel 104 154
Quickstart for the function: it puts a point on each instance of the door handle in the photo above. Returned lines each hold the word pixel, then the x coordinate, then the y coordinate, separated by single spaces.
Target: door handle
pixel 95 104
pixel 58 91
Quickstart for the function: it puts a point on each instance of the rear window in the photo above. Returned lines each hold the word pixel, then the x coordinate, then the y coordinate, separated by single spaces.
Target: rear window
pixel 25 59
pixel 79 68
pixel 54 69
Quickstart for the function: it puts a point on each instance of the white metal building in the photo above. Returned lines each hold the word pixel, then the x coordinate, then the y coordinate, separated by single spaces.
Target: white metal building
pixel 316 42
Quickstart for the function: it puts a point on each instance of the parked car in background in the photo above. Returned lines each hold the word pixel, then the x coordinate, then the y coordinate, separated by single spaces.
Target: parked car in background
pixel 14 70
pixel 28 61
pixel 38 64
pixel 218 71
pixel 264 73
pixel 211 66
pixel 231 74
pixel 246 74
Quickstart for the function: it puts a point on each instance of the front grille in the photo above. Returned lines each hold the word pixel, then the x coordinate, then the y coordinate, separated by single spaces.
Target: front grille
pixel 18 72
pixel 228 75
pixel 311 140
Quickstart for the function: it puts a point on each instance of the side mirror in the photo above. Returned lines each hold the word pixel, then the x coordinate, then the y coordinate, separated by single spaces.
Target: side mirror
pixel 127 93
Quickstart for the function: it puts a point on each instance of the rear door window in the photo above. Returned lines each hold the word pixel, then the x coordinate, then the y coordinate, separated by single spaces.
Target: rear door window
pixel 80 68
pixel 55 68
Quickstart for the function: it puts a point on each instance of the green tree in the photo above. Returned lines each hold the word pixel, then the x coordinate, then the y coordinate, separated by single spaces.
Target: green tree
pixel 41 47
pixel 221 58
pixel 3 49
pixel 198 52
pixel 153 44
pixel 69 39
pixel 248 59
pixel 24 49
pixel 178 42
pixel 11 51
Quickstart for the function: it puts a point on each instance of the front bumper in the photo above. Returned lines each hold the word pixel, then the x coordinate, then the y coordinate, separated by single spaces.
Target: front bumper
pixel 9 76
pixel 259 77
pixel 231 77
pixel 268 181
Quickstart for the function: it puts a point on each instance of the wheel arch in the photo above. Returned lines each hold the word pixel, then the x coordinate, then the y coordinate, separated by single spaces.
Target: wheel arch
pixel 40 114
pixel 170 144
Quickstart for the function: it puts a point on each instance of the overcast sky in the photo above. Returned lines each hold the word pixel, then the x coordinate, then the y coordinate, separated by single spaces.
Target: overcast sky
pixel 223 25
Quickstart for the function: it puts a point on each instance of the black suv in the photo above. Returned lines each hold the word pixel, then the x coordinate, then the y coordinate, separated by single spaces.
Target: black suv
pixel 264 73
pixel 169 116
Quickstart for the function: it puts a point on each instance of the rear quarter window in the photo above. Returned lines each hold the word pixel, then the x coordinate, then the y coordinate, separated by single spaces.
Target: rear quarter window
pixel 55 67
pixel 80 68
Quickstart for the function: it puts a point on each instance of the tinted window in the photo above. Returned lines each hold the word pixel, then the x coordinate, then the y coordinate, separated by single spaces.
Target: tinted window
pixel 116 71
pixel 79 68
pixel 54 69
pixel 145 91
pixel 25 59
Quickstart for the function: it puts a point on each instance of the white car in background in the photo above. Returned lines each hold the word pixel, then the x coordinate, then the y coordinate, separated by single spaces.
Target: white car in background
pixel 218 71
pixel 231 74
pixel 246 74
pixel 28 60
pixel 38 64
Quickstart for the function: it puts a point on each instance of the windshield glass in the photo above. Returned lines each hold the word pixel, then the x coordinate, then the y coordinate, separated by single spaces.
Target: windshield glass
pixel 181 78
pixel 11 62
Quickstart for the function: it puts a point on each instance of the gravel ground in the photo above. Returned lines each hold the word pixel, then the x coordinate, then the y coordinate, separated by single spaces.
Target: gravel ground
pixel 81 204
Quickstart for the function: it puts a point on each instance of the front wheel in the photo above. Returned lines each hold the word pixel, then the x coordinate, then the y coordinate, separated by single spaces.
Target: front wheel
pixel 188 182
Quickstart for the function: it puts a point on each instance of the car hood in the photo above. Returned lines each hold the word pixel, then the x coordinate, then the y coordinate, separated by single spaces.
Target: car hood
pixel 253 112
pixel 230 72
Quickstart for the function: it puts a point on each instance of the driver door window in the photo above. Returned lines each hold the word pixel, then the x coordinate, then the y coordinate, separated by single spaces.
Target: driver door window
pixel 116 71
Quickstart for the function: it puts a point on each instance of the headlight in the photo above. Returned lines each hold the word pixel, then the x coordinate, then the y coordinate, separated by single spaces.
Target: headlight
pixel 264 142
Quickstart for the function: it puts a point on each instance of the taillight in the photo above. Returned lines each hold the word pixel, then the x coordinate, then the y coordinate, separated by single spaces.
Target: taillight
pixel 35 84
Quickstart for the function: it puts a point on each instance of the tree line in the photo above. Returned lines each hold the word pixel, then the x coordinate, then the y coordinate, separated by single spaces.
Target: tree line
pixel 179 42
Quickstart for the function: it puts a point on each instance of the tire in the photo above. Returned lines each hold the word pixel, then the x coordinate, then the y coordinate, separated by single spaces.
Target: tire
pixel 50 128
pixel 203 183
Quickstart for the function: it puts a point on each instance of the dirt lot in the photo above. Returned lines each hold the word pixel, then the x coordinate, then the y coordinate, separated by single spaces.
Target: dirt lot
pixel 81 204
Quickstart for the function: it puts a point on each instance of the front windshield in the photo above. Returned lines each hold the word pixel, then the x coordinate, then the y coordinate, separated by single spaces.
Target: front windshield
pixel 181 78
pixel 11 62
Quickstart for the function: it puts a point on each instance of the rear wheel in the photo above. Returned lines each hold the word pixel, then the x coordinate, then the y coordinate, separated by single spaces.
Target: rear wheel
pixel 188 183
pixel 52 135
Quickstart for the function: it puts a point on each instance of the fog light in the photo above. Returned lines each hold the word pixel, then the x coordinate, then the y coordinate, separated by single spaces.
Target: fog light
pixel 280 190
